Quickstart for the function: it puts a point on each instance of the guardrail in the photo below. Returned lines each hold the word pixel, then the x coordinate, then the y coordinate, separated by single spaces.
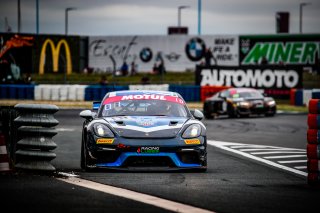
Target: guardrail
pixel 34 126
pixel 313 145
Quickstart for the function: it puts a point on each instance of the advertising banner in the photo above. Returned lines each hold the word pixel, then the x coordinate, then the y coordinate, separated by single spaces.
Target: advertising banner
pixel 300 50
pixel 177 52
pixel 56 54
pixel 262 77
pixel 15 57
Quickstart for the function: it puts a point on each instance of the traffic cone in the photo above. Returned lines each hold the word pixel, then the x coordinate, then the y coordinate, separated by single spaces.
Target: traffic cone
pixel 4 158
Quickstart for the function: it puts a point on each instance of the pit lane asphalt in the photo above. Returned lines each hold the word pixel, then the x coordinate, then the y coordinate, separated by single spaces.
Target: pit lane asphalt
pixel 231 184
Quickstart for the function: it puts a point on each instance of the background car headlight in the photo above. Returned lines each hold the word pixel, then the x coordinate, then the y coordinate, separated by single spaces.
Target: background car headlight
pixel 271 103
pixel 102 130
pixel 243 104
pixel 192 131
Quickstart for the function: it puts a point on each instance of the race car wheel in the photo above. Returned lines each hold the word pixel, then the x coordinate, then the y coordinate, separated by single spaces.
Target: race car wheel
pixel 208 116
pixel 82 163
pixel 270 114
pixel 231 111
pixel 85 158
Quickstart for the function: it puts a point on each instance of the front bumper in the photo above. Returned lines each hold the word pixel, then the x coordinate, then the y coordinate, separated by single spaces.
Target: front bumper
pixel 123 154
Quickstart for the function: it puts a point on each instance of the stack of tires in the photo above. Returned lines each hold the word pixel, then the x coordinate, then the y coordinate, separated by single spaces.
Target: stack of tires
pixel 313 146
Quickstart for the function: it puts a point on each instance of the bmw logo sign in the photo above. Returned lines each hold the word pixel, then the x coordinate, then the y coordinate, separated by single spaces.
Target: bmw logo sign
pixel 195 49
pixel 146 54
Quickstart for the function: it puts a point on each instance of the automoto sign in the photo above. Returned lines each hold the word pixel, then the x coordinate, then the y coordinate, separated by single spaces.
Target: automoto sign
pixel 277 77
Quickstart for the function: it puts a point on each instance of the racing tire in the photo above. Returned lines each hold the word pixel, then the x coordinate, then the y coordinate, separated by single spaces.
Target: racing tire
pixel 231 111
pixel 85 159
pixel 270 114
pixel 208 116
pixel 82 159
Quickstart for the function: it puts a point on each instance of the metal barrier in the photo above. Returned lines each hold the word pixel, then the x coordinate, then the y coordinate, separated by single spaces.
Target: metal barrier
pixel 34 147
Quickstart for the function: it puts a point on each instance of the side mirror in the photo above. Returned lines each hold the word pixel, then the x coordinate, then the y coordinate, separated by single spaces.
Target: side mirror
pixel 197 114
pixel 86 114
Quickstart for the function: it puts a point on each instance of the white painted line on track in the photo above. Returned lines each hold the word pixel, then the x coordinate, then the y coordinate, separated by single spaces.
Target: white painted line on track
pixel 277 152
pixel 67 174
pixel 246 146
pixel 293 161
pixel 266 149
pixel 285 156
pixel 64 129
pixel 300 167
pixel 136 196
pixel 222 145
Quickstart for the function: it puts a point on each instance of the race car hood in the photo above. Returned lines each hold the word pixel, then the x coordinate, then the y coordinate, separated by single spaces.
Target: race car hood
pixel 146 126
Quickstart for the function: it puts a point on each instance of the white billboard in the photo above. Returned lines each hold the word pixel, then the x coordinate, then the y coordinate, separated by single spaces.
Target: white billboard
pixel 178 52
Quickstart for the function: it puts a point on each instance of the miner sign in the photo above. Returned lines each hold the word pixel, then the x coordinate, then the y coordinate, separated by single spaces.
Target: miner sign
pixel 275 77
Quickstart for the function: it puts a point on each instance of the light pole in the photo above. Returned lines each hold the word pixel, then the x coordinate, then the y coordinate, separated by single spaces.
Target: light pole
pixel 19 16
pixel 66 18
pixel 301 6
pixel 179 13
pixel 199 17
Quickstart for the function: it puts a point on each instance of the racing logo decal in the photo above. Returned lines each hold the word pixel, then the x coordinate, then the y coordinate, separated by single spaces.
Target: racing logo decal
pixel 192 141
pixel 195 49
pixel 148 150
pixel 145 54
pixel 145 122
pixel 105 141
pixel 144 97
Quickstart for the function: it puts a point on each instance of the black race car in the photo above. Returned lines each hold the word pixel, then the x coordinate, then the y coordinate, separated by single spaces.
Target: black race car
pixel 241 102
pixel 143 130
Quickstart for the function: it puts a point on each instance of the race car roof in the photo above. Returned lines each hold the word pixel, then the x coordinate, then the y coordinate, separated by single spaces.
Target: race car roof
pixel 142 92
pixel 143 95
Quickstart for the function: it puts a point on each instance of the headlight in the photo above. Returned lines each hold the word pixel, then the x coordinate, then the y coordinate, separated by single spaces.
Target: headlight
pixel 102 130
pixel 271 103
pixel 243 104
pixel 192 131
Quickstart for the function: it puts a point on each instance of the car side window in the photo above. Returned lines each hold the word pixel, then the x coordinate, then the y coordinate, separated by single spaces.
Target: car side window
pixel 224 94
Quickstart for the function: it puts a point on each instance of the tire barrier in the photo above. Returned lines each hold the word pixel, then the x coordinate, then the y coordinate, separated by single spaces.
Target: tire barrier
pixel 8 91
pixel 313 145
pixel 189 93
pixel 4 157
pixel 35 132
pixel 97 92
pixel 8 131
pixel 298 97
pixel 59 92
pixel 162 87
pixel 301 97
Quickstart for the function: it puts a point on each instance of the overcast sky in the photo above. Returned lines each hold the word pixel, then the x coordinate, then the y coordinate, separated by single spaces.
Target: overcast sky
pixel 152 17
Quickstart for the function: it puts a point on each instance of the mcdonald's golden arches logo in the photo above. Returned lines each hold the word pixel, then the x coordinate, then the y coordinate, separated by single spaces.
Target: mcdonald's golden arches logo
pixel 55 55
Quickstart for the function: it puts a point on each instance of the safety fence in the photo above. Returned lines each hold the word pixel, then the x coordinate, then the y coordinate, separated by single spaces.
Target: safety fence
pixel 191 93
pixel 313 145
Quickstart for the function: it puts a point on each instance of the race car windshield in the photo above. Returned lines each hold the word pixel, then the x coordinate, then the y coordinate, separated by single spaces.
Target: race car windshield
pixel 247 94
pixel 143 108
